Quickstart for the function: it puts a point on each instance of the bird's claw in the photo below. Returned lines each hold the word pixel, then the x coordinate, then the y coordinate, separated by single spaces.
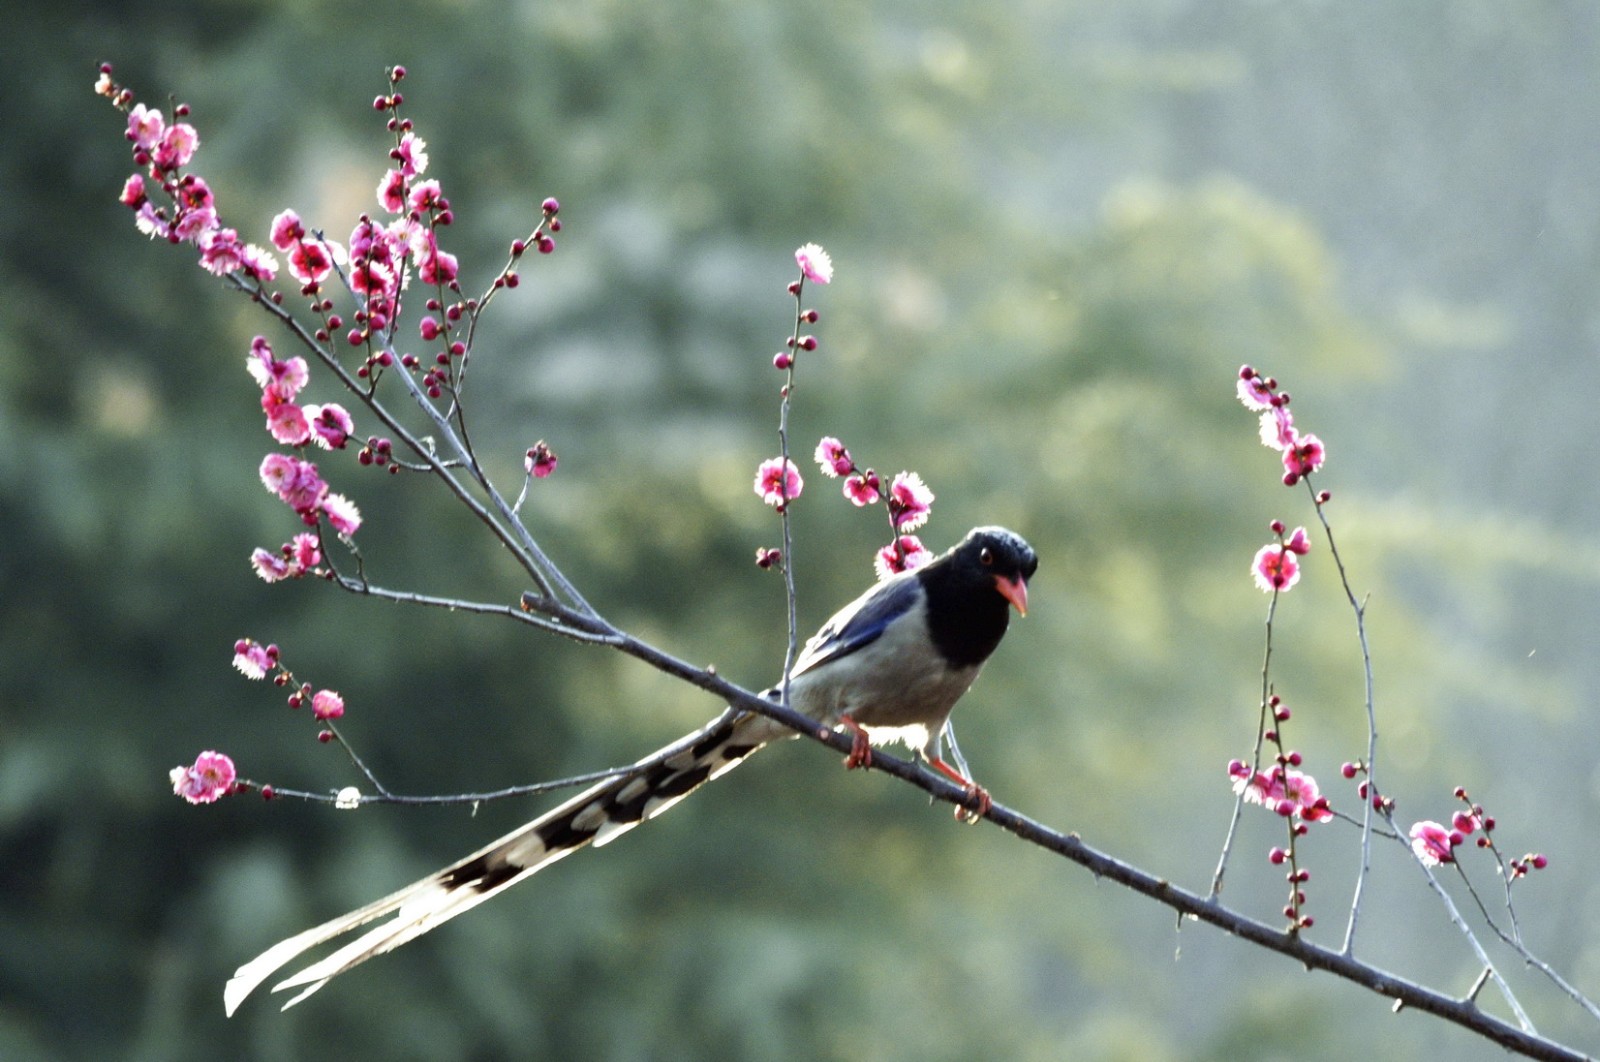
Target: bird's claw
pixel 972 815
pixel 860 748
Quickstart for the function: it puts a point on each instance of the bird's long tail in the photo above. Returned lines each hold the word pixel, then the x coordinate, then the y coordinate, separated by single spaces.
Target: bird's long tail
pixel 595 816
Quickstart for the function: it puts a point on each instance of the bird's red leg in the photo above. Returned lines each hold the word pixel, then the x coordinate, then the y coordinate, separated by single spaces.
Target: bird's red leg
pixel 974 790
pixel 860 747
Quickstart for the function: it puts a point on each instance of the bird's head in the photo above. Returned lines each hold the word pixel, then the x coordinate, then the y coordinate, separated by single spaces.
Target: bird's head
pixel 996 557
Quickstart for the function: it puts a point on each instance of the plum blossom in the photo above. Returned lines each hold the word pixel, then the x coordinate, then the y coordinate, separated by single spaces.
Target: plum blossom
pixel 540 460
pixel 1433 844
pixel 286 230
pixel 220 251
pixel 413 155
pixel 1254 393
pixel 392 192
pixel 132 192
pixel 304 552
pixel 284 379
pixel 331 425
pixel 286 421
pixel 815 263
pixel 342 514
pixel 834 458
pixel 1275 568
pixel 863 488
pixel 1303 456
pixel 176 147
pixel 909 501
pixel 426 196
pixel 1277 428
pixel 778 481
pixel 326 704
pixel 145 126
pixel 210 776
pixel 906 553
pixel 252 659
pixel 271 567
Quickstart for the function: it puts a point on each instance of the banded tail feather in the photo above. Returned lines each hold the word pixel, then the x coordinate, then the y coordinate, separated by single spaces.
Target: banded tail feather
pixel 595 816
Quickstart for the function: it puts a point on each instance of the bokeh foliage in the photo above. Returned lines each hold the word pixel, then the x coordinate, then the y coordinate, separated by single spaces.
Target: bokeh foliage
pixel 1058 231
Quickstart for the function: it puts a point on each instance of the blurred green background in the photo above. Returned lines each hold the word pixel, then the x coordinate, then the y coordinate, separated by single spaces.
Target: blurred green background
pixel 1058 230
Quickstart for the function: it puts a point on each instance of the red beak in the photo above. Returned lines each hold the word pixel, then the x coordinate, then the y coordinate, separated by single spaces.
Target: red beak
pixel 1015 591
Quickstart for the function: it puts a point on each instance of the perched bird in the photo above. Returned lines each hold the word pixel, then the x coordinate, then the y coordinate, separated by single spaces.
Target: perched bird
pixel 888 666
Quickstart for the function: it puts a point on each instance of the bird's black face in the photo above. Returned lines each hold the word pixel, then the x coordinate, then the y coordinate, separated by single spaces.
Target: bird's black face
pixel 1001 558
pixel 971 590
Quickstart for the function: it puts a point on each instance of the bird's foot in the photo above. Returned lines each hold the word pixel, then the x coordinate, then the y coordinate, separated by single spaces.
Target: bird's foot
pixel 860 747
pixel 973 791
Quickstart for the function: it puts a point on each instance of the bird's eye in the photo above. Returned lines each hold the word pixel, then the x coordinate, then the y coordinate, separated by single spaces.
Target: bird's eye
pixel 986 556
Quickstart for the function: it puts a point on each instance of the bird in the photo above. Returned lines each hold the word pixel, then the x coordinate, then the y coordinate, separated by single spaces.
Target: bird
pixel 889 666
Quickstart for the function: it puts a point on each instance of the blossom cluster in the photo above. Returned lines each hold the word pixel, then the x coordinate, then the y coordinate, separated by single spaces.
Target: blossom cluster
pixel 1303 453
pixel 162 149
pixel 256 661
pixel 1282 789
pixel 293 479
pixel 908 500
pixel 1434 844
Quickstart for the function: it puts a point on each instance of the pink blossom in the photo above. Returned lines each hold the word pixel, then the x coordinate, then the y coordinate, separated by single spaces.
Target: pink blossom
pixel 1275 568
pixel 1277 428
pixel 1301 789
pixel 904 554
pixel 210 777
pixel 278 471
pixel 286 421
pixel 1433 843
pixel 436 266
pixel 863 488
pixel 371 277
pixel 540 461
pixel 176 146
pixel 286 230
pixel 778 481
pixel 270 566
pixel 145 126
pixel 251 659
pixel 833 457
pixel 304 551
pixel 294 481
pixel 1298 542
pixel 257 262
pixel 425 196
pixel 413 154
pixel 150 221
pixel 1304 455
pixel 1257 787
pixel 392 192
pixel 814 263
pixel 326 704
pixel 1254 393
pixel 281 380
pixel 220 251
pixel 311 261
pixel 330 425
pixel 342 513
pixel 193 223
pixel 370 241
pixel 909 501
pixel 132 192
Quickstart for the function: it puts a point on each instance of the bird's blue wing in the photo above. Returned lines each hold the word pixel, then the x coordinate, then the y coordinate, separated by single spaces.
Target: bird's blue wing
pixel 860 623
